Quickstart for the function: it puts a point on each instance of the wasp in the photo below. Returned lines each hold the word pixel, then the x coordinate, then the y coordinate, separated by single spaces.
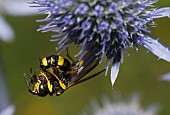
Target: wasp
pixel 54 82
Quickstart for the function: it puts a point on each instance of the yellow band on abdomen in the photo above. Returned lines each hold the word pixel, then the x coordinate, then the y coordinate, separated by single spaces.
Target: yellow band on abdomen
pixel 44 62
pixel 60 60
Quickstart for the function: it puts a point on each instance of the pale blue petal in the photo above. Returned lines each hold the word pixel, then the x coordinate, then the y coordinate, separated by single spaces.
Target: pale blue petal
pixel 160 50
pixel 114 71
pixel 162 12
pixel 8 111
pixel 19 8
pixel 165 77
pixel 6 32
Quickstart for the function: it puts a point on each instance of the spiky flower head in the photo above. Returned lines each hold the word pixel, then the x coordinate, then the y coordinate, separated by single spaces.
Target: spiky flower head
pixel 109 26
pixel 130 106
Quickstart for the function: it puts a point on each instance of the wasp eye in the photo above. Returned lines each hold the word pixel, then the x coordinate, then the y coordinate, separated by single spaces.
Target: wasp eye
pixel 33 79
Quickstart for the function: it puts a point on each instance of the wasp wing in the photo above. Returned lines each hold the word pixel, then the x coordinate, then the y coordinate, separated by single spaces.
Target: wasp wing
pixel 90 62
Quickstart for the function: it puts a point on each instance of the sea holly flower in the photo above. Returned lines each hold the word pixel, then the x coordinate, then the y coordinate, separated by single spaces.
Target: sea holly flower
pixel 130 106
pixel 109 26
pixel 12 7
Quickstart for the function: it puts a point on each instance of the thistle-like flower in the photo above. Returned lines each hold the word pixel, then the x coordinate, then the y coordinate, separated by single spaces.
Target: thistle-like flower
pixel 124 107
pixel 110 26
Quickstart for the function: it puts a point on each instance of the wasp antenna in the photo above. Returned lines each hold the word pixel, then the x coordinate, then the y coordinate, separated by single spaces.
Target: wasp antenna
pixel 27 82
pixel 68 55
pixel 31 70
pixel 67 49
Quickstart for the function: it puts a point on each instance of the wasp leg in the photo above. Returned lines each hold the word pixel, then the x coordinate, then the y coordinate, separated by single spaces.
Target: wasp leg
pixel 85 79
pixel 50 86
pixel 60 82
pixel 72 72
pixel 84 71
pixel 68 55
pixel 76 69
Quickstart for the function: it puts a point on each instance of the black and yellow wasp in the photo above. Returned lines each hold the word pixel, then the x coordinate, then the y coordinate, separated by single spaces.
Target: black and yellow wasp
pixel 57 74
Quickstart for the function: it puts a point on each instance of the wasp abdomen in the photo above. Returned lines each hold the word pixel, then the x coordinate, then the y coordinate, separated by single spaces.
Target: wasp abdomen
pixel 56 61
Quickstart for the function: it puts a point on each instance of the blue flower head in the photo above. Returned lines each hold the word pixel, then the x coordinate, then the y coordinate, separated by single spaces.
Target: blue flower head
pixel 109 26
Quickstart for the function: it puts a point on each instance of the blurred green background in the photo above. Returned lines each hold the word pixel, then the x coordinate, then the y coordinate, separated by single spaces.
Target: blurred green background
pixel 139 73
